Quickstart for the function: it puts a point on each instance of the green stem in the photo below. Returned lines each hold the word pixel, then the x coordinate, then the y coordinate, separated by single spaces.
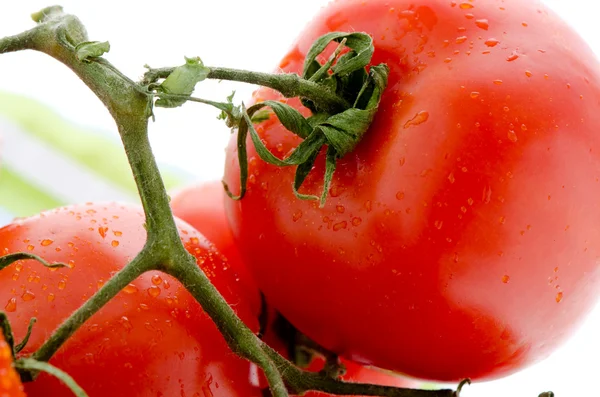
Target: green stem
pixel 29 364
pixel 288 84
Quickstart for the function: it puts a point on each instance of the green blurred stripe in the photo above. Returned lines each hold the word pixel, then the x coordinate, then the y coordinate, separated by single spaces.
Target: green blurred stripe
pixel 103 156
pixel 21 198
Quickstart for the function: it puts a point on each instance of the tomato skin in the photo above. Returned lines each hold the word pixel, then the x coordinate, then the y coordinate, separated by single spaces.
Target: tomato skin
pixel 153 338
pixel 462 232
pixel 10 383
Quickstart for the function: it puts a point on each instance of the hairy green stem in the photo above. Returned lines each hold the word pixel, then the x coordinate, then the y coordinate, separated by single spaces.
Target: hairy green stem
pixel 288 84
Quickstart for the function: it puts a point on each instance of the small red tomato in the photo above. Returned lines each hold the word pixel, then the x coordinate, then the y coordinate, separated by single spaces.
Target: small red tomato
pixel 152 339
pixel 460 239
pixel 10 384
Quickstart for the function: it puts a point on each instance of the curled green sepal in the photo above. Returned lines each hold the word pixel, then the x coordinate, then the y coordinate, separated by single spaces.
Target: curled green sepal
pixel 6 330
pixel 347 75
pixel 182 81
pixel 340 133
pixel 9 259
pixel 91 49
pixel 32 365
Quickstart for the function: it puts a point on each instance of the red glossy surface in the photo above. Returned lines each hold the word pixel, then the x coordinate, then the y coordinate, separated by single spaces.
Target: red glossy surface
pixel 461 238
pixel 152 339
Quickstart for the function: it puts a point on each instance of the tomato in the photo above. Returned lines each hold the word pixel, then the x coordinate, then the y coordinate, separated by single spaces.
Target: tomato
pixel 153 338
pixel 10 384
pixel 460 238
pixel 203 206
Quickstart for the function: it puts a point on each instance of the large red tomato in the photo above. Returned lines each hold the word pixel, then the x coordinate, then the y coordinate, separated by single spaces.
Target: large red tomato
pixel 202 206
pixel 10 384
pixel 460 239
pixel 152 339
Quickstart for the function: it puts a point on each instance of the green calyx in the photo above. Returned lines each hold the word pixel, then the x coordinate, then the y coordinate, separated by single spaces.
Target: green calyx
pixel 347 77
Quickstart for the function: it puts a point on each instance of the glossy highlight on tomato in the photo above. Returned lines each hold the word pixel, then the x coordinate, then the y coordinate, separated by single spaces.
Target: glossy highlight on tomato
pixel 460 239
pixel 153 338
pixel 10 383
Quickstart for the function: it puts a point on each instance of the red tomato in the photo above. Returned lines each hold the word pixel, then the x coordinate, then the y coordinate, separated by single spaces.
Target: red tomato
pixel 202 206
pixel 152 339
pixel 10 384
pixel 461 237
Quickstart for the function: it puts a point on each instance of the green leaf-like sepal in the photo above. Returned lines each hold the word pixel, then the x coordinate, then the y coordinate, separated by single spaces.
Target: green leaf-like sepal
pixel 91 49
pixel 182 81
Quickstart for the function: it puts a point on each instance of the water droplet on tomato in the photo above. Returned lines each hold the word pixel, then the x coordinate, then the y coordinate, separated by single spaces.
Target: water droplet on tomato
pixel 11 306
pixel 474 94
pixel 102 230
pixel 340 208
pixel 62 284
pixel 297 215
pixel 154 291
pixel 356 221
pixel 340 225
pixel 502 220
pixel 124 321
pixel 497 82
pixel 130 289
pixel 482 23
pixel 50 297
pixel 419 118
pixel 466 6
pixel 46 242
pixel 451 177
pixel 28 296
pixel 157 280
pixel 114 243
pixel 461 39
pixel 512 136
pixel 438 224
pixel 400 196
pixel 559 297
pixel 368 205
pixel 505 279
pixel 491 42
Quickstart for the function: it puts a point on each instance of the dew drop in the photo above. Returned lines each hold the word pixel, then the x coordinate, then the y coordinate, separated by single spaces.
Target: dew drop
pixel 28 296
pixel 512 136
pixel 419 118
pixel 102 231
pixel 157 280
pixel 11 306
pixel 154 291
pixel 474 94
pixel 114 243
pixel 438 224
pixel 505 279
pixel 62 284
pixel 528 73
pixel 451 177
pixel 50 297
pixel 512 57
pixel 461 39
pixel 470 201
pixel 356 221
pixel 466 6
pixel 559 297
pixel 497 82
pixel 502 220
pixel 124 321
pixel 130 289
pixel 297 215
pixel 491 42
pixel 400 196
pixel 340 225
pixel 117 233
pixel 340 208
pixel 46 242
pixel 482 23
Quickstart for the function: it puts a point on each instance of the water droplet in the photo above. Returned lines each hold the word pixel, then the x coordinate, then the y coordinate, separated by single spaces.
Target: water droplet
pixel 356 221
pixel 482 23
pixel 466 6
pixel 461 39
pixel 559 297
pixel 438 224
pixel 474 94
pixel 11 306
pixel 487 194
pixel 124 321
pixel 154 291
pixel 340 208
pixel 502 220
pixel 50 297
pixel 451 177
pixel 130 289
pixel 469 16
pixel 62 284
pixel 102 230
pixel 368 205
pixel 297 215
pixel 528 73
pixel 505 279
pixel 400 196
pixel 114 243
pixel 491 42
pixel 512 57
pixel 463 209
pixel 157 280
pixel 512 136
pixel 447 60
pixel 28 296
pixel 497 82
pixel 524 24
pixel 419 118
pixel 340 225
pixel 46 242
pixel 470 201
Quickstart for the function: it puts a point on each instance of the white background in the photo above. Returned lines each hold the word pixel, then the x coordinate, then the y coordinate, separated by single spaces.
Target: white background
pixel 252 35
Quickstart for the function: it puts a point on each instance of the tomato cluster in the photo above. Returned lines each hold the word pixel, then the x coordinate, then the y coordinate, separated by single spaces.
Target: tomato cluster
pixel 459 240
